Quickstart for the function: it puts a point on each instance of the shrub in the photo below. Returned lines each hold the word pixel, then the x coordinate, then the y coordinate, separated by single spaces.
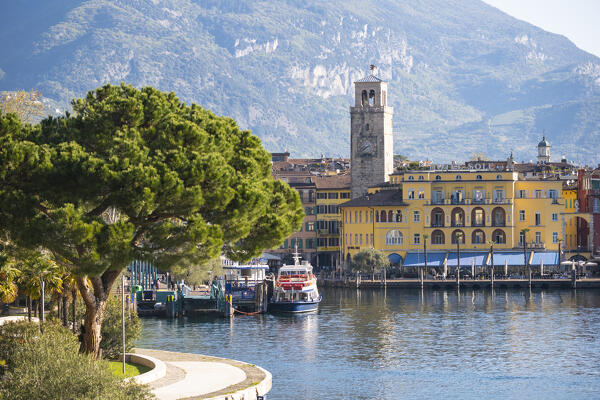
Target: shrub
pixel 111 343
pixel 49 366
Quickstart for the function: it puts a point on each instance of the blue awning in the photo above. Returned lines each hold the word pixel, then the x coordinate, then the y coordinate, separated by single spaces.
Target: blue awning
pixel 548 257
pixel 395 258
pixel 417 259
pixel 514 258
pixel 466 258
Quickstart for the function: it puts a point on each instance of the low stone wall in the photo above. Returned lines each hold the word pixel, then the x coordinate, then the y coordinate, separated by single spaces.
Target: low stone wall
pixel 15 318
pixel 158 368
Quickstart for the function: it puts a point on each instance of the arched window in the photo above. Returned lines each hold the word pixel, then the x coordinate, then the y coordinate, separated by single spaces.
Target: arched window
pixel 437 217
pixel 371 97
pixel 498 217
pixel 421 177
pixel 438 237
pixel 390 216
pixel 383 216
pixel 458 178
pixel 456 234
pixel 393 237
pixel 478 217
pixel 438 178
pixel 498 177
pixel 458 217
pixel 498 236
pixel 364 100
pixel 478 178
pixel 398 215
pixel 411 178
pixel 376 216
pixel 478 237
pixel 366 127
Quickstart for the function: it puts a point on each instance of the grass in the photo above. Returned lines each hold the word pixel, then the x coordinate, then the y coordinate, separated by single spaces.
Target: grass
pixel 131 369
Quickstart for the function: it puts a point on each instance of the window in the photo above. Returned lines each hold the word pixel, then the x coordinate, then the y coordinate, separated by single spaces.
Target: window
pixel 308 210
pixel 458 178
pixel 309 244
pixel 366 127
pixel 322 209
pixel 554 216
pixel 478 178
pixel 421 177
pixel 360 217
pixel 554 237
pixel 478 217
pixel 360 240
pixel 372 242
pixel 498 236
pixel 299 243
pixel 383 216
pixel 356 217
pixel 438 178
pixel 522 194
pixel 398 215
pixel 521 238
pixel 411 193
pixel 310 226
pixel 285 244
pixel 332 209
pixel 411 178
pixel 538 194
pixel 538 218
pixel 478 237
pixel 437 237
pixel 553 194
pixel 321 195
pixel 538 237
pixel 498 196
pixel 478 195
pixel 393 237
pixel 498 177
pixel 356 238
pixel 596 206
pixel 416 216
pixel 456 235
pixel 332 195
pixel 421 194
pixel 344 195
pixel 521 215
pixel 416 238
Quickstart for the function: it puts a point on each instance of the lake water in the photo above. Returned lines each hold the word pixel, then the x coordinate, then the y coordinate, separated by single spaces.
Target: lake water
pixel 392 344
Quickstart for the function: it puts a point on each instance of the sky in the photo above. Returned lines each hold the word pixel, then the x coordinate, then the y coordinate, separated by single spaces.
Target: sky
pixel 578 20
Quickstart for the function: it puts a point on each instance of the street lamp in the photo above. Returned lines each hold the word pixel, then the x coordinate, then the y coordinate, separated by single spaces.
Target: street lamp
pixel 524 232
pixel 491 243
pixel 425 237
pixel 458 239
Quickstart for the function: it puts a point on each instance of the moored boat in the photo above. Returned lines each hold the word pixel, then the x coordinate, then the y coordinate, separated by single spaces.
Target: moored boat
pixel 295 289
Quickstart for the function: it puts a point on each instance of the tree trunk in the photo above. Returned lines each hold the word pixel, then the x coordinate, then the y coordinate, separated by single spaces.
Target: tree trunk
pixel 29 308
pixel 74 308
pixel 34 306
pixel 65 310
pixel 95 297
pixel 59 308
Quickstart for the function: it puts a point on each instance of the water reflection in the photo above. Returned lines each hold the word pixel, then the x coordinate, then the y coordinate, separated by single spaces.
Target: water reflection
pixel 387 344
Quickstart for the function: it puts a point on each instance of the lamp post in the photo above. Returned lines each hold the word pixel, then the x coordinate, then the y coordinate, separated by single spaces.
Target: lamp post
pixel 491 243
pixel 524 232
pixel 458 239
pixel 559 255
pixel 425 237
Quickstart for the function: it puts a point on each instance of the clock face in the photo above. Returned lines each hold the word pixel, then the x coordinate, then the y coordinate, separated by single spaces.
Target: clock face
pixel 366 147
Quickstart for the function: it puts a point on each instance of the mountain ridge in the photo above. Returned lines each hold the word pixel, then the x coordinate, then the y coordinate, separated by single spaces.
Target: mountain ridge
pixel 462 75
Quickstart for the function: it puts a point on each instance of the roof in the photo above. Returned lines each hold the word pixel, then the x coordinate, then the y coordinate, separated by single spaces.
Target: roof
pixel 467 258
pixel 417 259
pixel 370 78
pixel 383 198
pixel 544 143
pixel 332 182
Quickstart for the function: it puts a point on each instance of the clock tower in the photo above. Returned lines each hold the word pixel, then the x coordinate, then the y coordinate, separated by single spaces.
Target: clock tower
pixel 371 138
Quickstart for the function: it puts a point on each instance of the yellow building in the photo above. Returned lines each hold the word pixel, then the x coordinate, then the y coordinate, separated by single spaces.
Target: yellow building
pixel 470 205
pixel 570 220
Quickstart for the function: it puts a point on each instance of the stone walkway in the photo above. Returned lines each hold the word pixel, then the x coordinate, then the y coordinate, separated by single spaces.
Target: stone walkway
pixel 195 376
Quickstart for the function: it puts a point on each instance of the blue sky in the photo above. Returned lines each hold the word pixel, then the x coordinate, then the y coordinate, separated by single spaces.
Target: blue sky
pixel 578 20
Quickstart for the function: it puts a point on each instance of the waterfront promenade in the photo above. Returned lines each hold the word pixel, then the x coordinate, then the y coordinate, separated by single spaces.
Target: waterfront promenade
pixel 196 376
pixel 536 283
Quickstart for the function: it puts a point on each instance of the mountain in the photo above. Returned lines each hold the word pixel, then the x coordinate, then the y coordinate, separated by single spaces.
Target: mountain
pixel 463 76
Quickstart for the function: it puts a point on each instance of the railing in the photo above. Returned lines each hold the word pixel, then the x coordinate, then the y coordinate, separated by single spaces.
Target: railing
pixel 456 201
pixel 457 224
pixel 438 201
pixel 478 224
pixel 498 223
pixel 437 224
pixel 478 201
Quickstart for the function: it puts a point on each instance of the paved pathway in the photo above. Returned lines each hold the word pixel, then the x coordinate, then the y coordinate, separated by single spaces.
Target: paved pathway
pixel 195 376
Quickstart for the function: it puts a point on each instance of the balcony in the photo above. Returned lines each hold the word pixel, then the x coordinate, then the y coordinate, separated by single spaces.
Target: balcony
pixel 478 201
pixel 458 225
pixel 478 224
pixel 498 223
pixel 437 224
pixel 437 201
pixel 458 201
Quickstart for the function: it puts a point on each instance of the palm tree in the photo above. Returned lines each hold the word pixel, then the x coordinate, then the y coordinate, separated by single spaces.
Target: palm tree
pixel 524 232
pixel 8 287
pixel 491 243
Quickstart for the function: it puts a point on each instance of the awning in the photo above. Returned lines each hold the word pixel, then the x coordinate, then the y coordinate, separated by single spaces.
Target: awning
pixel 395 258
pixel 466 258
pixel 417 259
pixel 547 257
pixel 513 258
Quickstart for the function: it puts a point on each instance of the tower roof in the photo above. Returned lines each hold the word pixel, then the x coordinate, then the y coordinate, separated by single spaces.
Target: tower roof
pixel 544 143
pixel 370 78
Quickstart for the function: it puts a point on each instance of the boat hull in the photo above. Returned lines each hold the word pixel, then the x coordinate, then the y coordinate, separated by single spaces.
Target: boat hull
pixel 294 306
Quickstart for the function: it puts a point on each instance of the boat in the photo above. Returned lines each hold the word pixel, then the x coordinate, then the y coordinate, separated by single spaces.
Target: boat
pixel 295 289
pixel 245 285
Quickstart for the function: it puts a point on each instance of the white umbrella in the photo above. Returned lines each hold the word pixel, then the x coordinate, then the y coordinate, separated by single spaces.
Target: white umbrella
pixel 445 270
pixel 505 267
pixel 541 268
pixel 473 269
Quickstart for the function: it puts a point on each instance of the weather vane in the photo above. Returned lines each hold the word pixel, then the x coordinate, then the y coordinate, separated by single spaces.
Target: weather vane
pixel 372 67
